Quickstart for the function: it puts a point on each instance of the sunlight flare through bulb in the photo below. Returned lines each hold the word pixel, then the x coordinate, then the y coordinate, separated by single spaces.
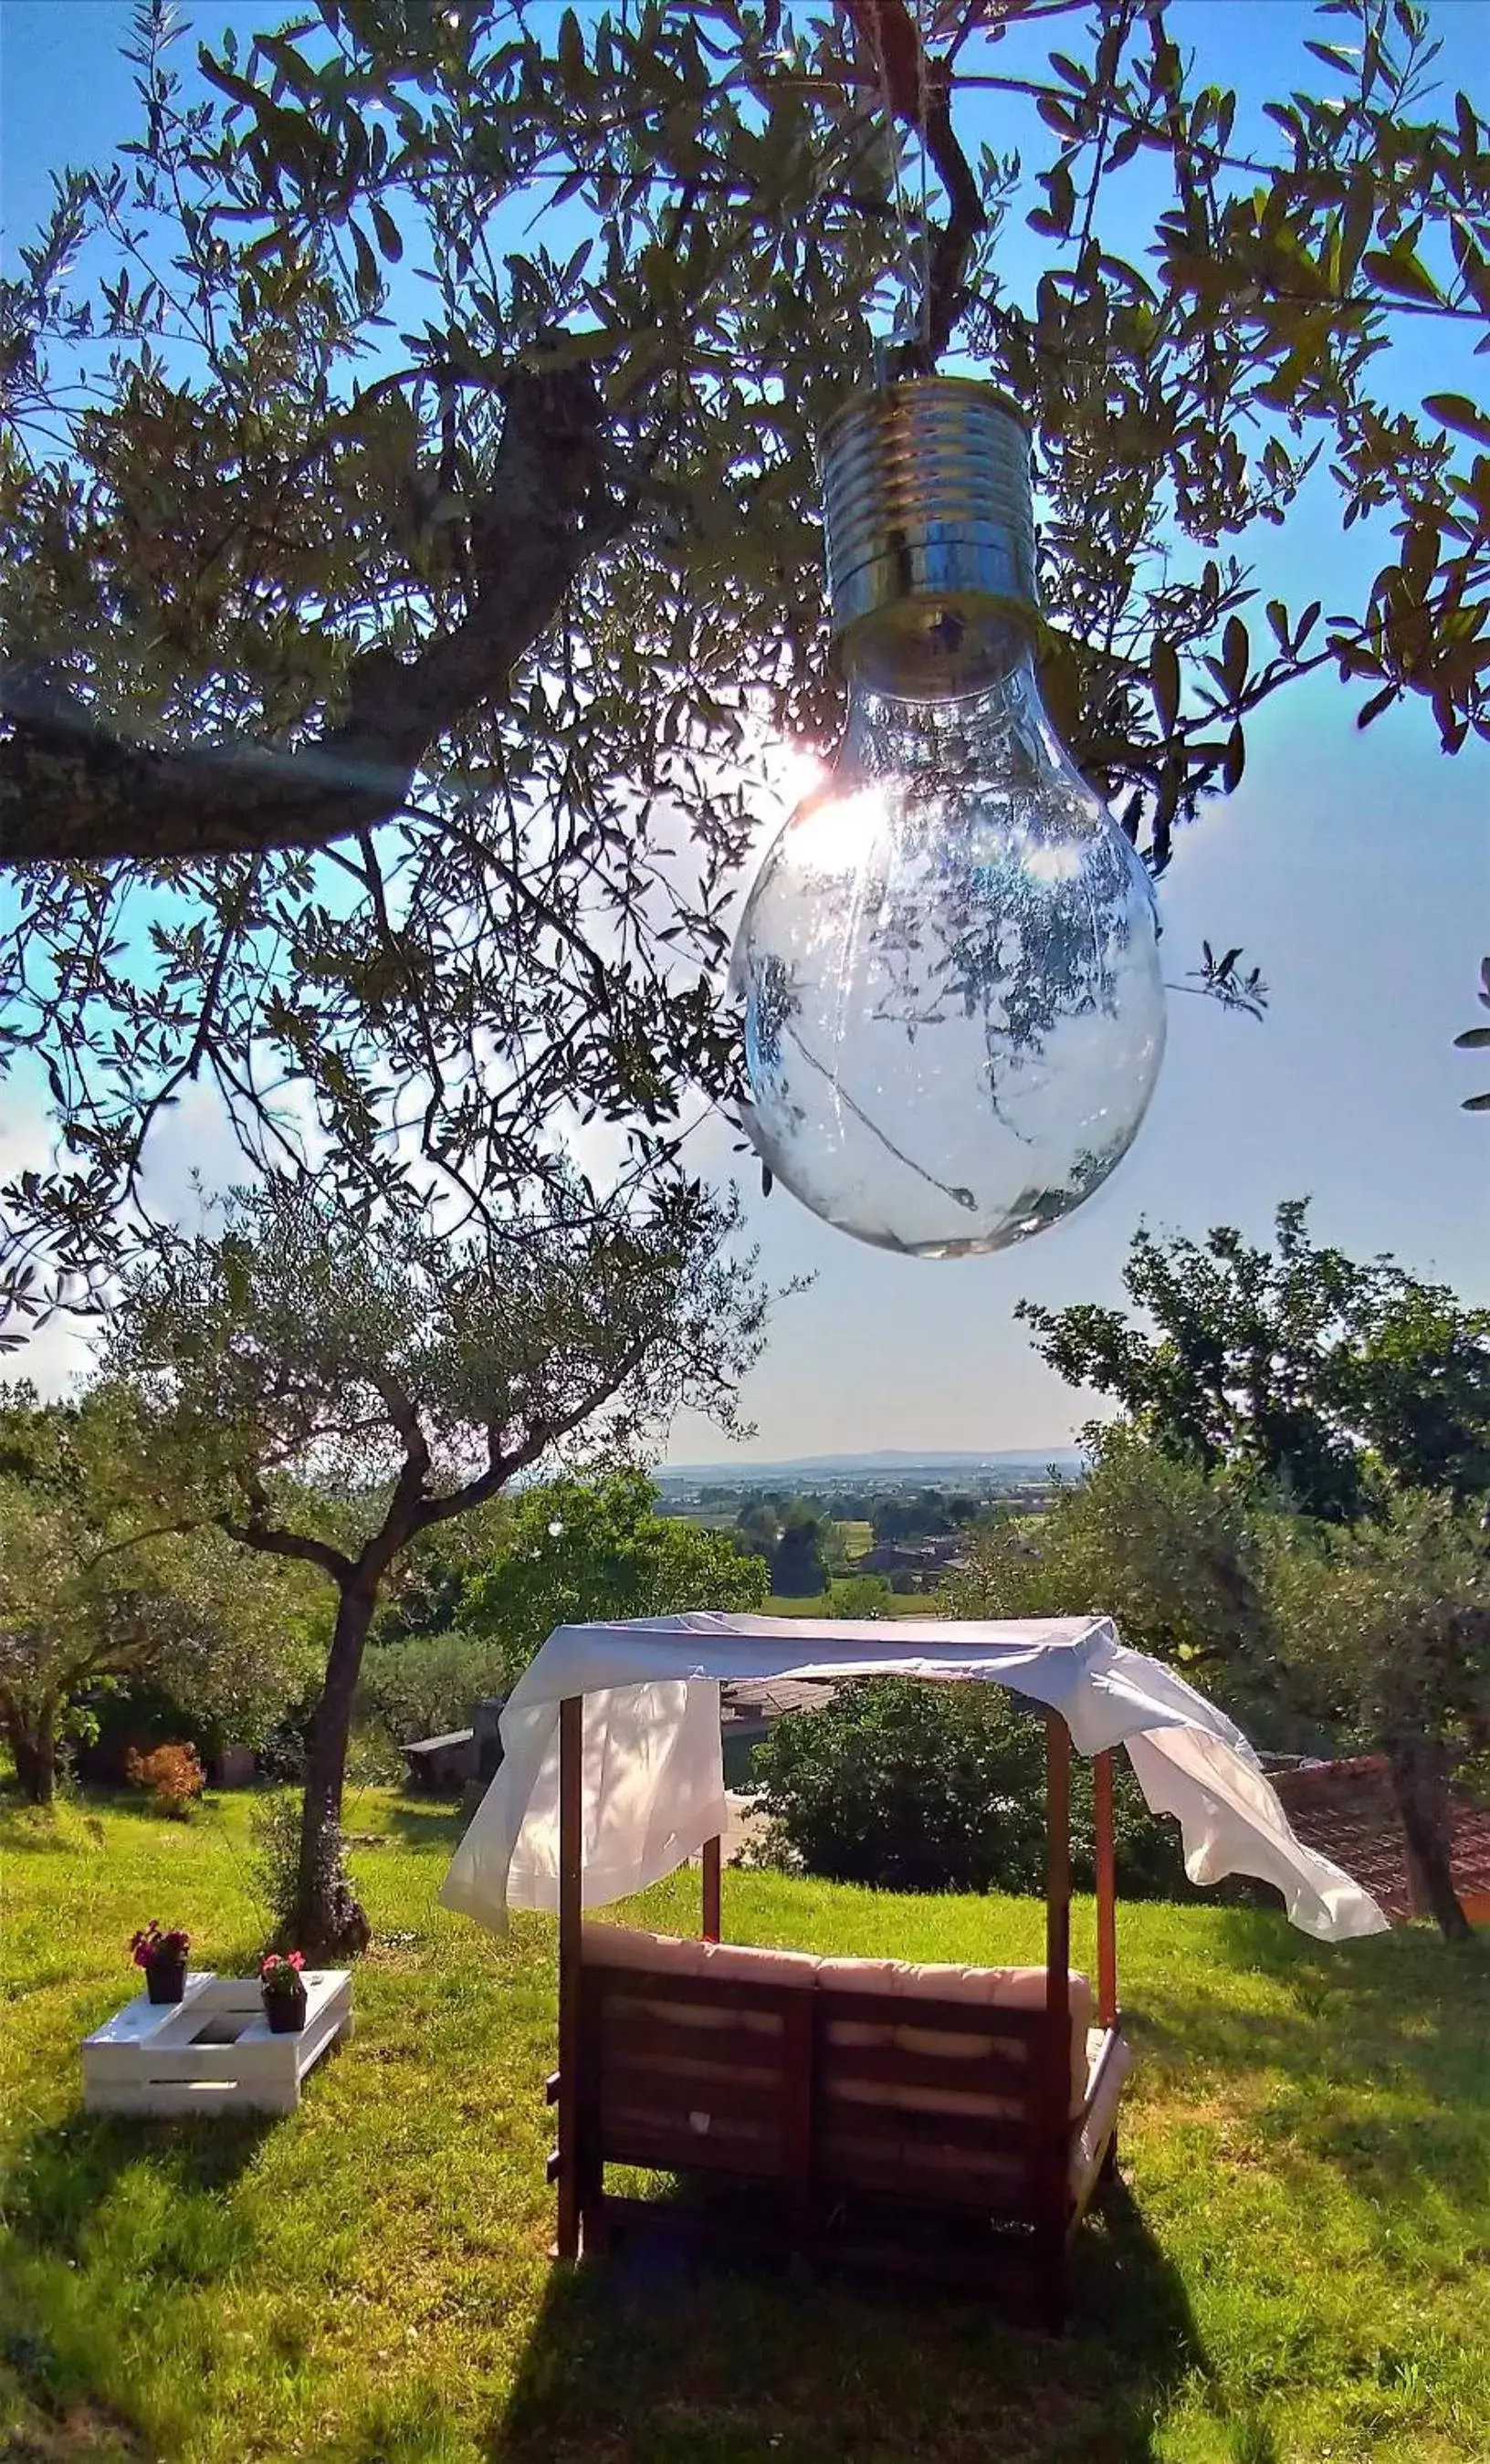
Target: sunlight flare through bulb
pixel 949 961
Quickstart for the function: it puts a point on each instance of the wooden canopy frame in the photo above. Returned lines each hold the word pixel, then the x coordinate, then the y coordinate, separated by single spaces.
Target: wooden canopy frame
pixel 577 2165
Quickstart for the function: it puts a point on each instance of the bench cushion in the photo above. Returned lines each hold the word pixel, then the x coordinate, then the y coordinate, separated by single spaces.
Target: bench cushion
pixel 669 1954
pixel 899 1980
pixel 620 1948
pixel 1087 2143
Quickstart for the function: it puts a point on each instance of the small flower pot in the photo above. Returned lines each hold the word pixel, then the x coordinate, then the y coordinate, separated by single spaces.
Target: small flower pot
pixel 286 2012
pixel 166 1979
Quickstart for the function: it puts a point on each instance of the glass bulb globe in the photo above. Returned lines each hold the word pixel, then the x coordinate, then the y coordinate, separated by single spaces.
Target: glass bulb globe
pixel 949 961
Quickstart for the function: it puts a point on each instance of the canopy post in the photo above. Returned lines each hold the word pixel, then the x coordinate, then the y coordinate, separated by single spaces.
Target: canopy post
pixel 1107 1890
pixel 1058 1866
pixel 571 1855
pixel 712 1913
pixel 1056 2068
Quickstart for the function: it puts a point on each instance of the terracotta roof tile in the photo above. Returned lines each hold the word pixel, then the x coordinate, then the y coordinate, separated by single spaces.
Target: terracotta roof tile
pixel 1344 1810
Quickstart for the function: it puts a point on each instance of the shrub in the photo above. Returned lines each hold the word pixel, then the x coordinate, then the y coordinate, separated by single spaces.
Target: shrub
pixel 273 1870
pixel 911 1785
pixel 274 1831
pixel 426 1684
pixel 172 1774
pixel 800 1567
pixel 861 1596
pixel 373 1760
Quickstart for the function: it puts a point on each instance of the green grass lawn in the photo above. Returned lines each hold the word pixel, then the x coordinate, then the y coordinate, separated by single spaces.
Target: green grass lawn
pixel 1294 2265
pixel 897 1604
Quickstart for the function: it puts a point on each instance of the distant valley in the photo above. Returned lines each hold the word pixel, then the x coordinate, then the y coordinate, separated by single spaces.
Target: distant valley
pixel 889 1467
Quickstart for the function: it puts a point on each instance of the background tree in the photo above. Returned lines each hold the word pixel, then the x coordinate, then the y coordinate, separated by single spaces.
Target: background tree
pixel 1305 1374
pixel 1318 1635
pixel 426 1684
pixel 861 1595
pixel 799 1563
pixel 1150 1541
pixel 370 639
pixel 1384 1630
pixel 758 1525
pixel 416 1371
pixel 580 1549
pixel 940 1788
pixel 91 1597
pixel 423 1593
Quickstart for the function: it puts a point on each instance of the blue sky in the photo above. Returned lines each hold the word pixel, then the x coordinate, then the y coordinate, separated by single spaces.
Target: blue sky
pixel 1354 869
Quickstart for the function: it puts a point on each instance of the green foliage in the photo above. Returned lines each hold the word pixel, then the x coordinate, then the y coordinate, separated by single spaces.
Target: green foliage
pixel 928 1788
pixel 1385 1629
pixel 861 1596
pixel 800 1562
pixel 598 1549
pixel 414 1374
pixel 908 1787
pixel 1305 1374
pixel 298 1354
pixel 1144 1538
pixel 411 453
pixel 274 1862
pixel 1317 1637
pixel 759 1527
pixel 93 1591
pixel 919 1517
pixel 275 1866
pixel 426 1684
pixel 1307 1632
pixel 423 1593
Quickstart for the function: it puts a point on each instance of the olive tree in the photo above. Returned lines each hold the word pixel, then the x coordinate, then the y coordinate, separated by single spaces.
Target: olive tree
pixel 1168 1554
pixel 94 1593
pixel 408 539
pixel 1318 1637
pixel 412 1371
pixel 1385 1631
pixel 1312 1378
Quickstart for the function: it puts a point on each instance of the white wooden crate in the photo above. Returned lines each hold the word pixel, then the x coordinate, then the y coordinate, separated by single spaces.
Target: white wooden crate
pixel 213 2051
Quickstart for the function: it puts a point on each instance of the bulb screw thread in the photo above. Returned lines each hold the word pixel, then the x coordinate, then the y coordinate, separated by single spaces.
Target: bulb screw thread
pixel 927 517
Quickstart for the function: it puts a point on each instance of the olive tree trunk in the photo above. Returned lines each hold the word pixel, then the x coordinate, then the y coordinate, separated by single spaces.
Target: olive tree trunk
pixel 1420 1768
pixel 327 1916
pixel 32 1738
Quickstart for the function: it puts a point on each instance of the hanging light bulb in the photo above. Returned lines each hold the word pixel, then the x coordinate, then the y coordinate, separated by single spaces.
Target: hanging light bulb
pixel 949 961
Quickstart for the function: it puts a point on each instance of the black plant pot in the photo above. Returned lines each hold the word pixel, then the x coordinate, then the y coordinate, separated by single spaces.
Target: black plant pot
pixel 286 2012
pixel 166 1979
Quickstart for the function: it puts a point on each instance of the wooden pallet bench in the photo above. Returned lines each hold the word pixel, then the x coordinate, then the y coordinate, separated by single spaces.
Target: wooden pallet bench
pixel 212 2051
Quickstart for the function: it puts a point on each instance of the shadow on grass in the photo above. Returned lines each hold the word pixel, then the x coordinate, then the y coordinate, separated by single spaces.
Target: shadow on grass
pixel 426 1824
pixel 155 2186
pixel 656 2356
pixel 1404 2004
pixel 1374 2064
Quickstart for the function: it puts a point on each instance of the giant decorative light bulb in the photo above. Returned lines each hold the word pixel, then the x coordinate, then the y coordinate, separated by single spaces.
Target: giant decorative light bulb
pixel 949 962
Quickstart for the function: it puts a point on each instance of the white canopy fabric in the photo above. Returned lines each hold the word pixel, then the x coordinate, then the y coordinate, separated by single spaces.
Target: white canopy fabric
pixel 653 1766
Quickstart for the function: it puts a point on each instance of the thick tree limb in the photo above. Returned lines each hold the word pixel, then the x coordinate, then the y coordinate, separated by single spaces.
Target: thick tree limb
pixel 277 1542
pixel 72 792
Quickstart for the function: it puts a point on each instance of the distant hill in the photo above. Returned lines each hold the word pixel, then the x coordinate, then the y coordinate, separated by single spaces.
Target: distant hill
pixel 1030 1461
